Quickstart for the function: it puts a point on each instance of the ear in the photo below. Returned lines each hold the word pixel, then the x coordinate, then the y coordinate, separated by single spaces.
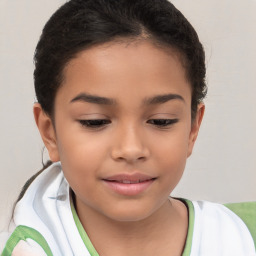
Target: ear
pixel 195 127
pixel 47 131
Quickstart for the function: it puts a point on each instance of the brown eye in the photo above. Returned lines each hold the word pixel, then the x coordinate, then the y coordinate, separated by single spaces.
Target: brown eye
pixel 162 122
pixel 94 123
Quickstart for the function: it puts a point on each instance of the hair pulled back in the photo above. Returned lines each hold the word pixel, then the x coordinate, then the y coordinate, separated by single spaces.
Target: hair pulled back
pixel 80 24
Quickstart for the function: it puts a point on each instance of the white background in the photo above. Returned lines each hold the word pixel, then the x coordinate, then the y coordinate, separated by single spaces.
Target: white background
pixel 223 165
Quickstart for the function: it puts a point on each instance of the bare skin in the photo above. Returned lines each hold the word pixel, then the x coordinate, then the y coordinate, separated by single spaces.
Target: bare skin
pixel 164 233
pixel 124 110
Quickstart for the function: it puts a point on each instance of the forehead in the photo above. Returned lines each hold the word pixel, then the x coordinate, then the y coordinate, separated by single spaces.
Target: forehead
pixel 139 67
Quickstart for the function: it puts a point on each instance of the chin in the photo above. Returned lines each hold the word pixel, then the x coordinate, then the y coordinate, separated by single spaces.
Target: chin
pixel 130 213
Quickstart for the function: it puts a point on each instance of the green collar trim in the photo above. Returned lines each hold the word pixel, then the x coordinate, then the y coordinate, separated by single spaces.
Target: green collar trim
pixel 93 252
pixel 191 221
pixel 82 233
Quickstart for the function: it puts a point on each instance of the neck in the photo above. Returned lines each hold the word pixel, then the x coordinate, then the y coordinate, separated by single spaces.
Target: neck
pixel 164 230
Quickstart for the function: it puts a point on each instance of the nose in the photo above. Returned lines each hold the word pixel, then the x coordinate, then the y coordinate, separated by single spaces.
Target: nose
pixel 129 146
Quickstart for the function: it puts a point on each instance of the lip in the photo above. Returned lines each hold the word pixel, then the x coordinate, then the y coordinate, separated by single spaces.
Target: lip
pixel 129 184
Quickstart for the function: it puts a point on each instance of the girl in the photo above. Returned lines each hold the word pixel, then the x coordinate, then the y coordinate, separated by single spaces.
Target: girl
pixel 120 86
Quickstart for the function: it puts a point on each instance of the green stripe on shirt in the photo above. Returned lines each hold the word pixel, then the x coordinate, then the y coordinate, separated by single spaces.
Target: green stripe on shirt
pixel 23 233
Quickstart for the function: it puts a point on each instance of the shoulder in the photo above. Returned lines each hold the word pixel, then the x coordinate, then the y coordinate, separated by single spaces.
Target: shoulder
pixel 216 224
pixel 24 241
pixel 43 218
pixel 28 229
pixel 247 212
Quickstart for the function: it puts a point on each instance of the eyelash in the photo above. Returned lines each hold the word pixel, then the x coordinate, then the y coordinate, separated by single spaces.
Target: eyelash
pixel 162 123
pixel 94 123
pixel 99 123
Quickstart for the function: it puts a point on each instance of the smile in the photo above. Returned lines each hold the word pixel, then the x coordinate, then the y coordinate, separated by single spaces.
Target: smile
pixel 129 181
pixel 129 185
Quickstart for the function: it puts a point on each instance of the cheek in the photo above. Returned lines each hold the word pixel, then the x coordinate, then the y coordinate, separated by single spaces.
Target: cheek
pixel 81 158
pixel 173 148
pixel 172 156
pixel 79 148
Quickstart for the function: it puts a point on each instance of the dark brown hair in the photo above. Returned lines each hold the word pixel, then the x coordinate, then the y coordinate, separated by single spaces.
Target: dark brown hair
pixel 80 24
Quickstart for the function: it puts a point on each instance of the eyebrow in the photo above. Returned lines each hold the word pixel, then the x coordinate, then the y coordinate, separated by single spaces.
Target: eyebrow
pixel 159 99
pixel 93 99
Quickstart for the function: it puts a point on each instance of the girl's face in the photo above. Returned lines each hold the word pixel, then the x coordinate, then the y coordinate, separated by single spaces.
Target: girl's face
pixel 123 128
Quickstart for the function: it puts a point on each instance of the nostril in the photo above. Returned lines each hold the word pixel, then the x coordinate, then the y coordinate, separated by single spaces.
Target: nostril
pixel 129 147
pixel 130 156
